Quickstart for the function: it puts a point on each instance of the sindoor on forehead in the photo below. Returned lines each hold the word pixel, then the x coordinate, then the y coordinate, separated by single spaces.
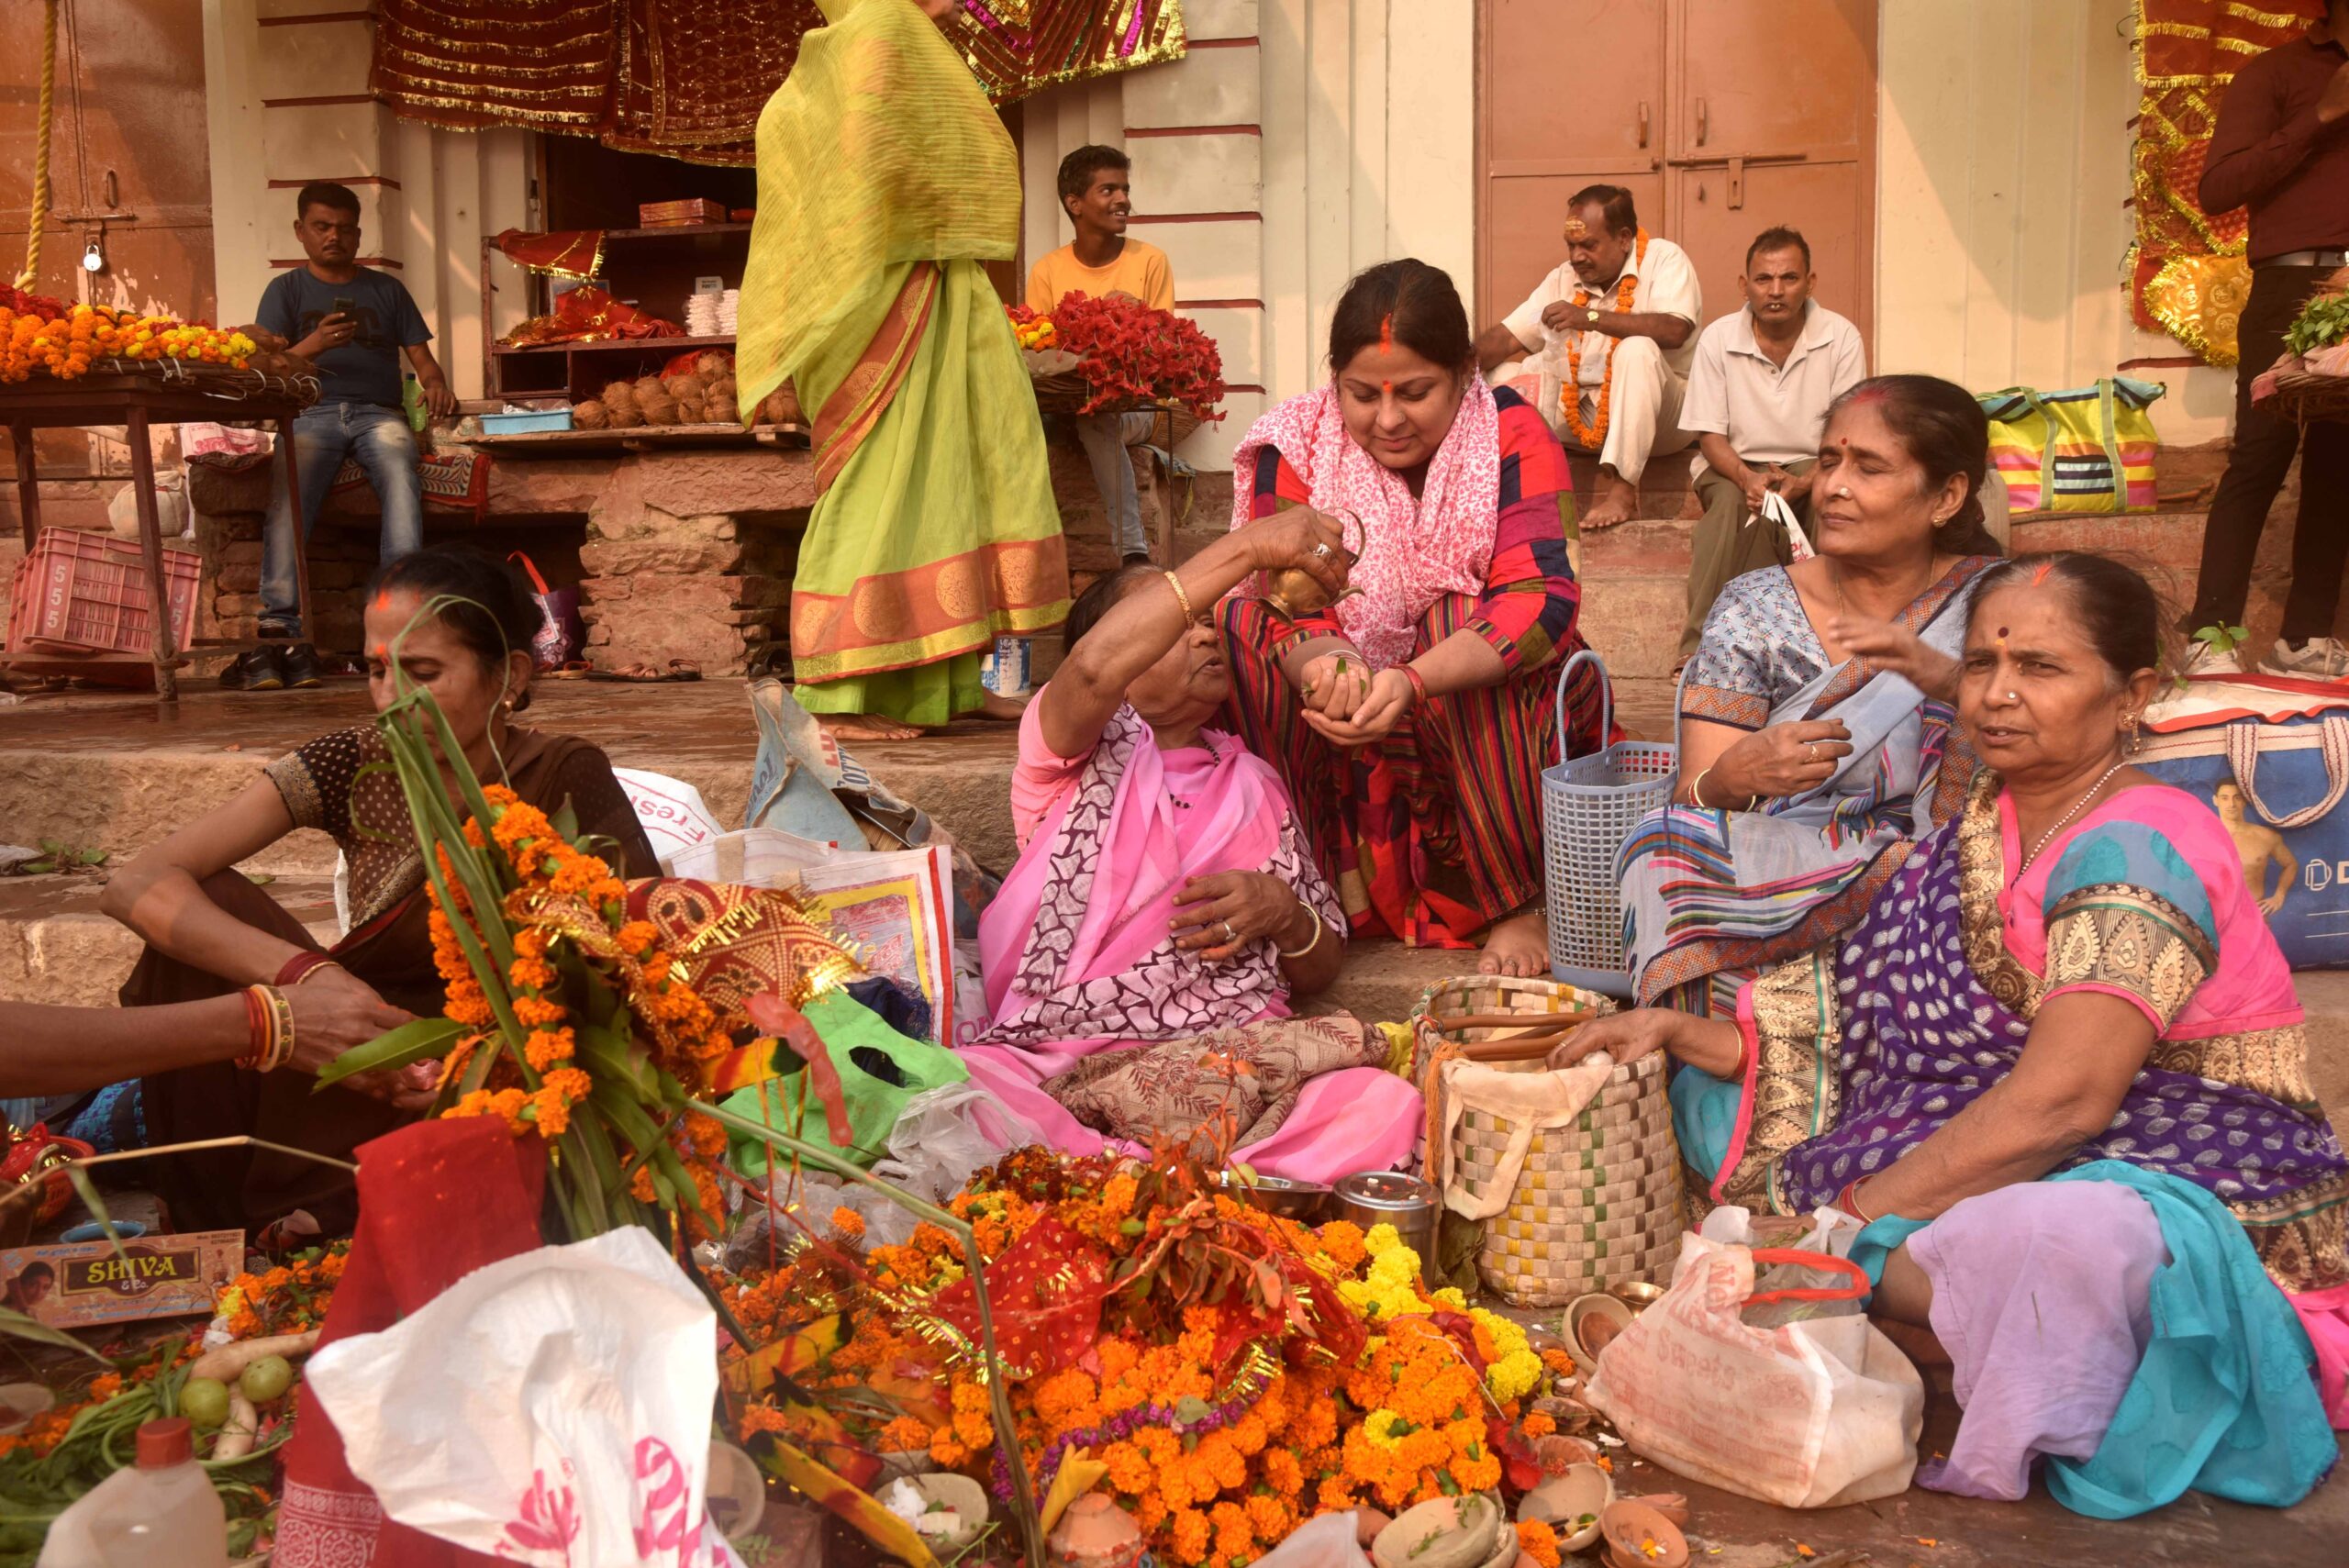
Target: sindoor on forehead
pixel 1723 117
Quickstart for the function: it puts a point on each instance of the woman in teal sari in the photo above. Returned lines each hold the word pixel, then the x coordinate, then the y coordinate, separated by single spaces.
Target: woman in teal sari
pixel 2059 1071
pixel 886 180
pixel 1815 720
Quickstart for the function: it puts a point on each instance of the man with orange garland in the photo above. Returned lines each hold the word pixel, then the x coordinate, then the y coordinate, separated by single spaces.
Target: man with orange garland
pixel 1613 329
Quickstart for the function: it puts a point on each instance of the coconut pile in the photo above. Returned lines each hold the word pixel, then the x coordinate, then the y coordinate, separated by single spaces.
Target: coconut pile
pixel 696 390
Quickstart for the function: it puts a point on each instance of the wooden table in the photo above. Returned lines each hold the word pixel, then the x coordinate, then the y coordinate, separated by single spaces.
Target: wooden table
pixel 138 401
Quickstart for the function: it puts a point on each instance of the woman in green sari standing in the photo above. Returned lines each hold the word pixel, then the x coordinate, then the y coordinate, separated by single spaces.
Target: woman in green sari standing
pixel 885 182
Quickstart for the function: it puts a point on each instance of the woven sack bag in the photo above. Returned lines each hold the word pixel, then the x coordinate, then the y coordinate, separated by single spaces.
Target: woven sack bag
pixel 1590 1202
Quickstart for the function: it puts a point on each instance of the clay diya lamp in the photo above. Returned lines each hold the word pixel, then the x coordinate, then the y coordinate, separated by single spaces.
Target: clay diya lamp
pixel 1570 1414
pixel 737 1492
pixel 1673 1505
pixel 1444 1532
pixel 1639 1536
pixel 1094 1533
pixel 1570 1504
pixel 1591 1322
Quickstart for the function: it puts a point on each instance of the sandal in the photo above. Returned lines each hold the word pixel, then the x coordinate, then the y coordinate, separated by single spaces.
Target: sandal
pixel 569 670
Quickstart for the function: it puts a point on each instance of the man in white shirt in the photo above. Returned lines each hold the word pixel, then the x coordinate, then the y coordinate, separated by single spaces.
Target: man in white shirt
pixel 1613 329
pixel 1758 396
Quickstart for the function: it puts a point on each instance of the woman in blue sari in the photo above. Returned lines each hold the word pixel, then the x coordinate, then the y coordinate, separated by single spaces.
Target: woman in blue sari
pixel 1815 735
pixel 2058 1069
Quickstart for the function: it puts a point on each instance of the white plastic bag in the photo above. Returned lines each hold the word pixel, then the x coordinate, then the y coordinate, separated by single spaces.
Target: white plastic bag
pixel 1805 1415
pixel 1832 1232
pixel 1778 511
pixel 671 811
pixel 551 1409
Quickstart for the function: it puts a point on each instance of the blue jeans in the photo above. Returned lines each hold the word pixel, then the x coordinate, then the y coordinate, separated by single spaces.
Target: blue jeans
pixel 379 440
pixel 1106 438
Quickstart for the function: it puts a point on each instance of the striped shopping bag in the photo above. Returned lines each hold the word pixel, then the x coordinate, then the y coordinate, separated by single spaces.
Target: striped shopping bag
pixel 2088 449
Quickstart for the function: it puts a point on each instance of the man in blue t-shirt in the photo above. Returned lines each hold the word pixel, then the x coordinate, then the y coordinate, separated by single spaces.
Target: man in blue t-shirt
pixel 353 323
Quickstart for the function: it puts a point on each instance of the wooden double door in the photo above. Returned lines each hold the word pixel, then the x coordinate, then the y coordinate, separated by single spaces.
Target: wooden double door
pixel 1722 117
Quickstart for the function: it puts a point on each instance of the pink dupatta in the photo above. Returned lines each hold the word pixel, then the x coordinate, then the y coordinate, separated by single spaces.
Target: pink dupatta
pixel 1415 549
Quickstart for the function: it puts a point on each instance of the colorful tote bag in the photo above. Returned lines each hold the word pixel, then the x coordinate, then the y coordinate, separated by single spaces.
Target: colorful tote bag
pixel 2090 449
pixel 2272 757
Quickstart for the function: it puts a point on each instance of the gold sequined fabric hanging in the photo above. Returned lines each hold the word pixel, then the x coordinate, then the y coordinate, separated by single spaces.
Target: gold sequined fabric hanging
pixel 2189 276
pixel 687 78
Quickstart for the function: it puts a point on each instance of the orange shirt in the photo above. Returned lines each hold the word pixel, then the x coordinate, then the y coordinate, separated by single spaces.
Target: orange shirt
pixel 1140 270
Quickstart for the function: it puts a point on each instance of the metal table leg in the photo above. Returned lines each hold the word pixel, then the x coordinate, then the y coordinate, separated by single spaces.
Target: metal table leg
pixel 1161 482
pixel 27 481
pixel 151 539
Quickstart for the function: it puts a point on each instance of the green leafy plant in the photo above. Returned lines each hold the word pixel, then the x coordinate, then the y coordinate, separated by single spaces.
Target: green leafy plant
pixel 2322 322
pixel 56 855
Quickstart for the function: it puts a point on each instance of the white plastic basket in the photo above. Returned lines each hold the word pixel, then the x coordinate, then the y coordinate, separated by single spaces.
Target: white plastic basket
pixel 1589 806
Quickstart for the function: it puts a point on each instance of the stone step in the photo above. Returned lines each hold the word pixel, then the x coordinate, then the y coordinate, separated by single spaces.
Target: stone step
pixel 56 947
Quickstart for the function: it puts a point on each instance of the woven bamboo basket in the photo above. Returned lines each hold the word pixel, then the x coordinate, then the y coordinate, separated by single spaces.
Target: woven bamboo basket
pixel 2305 396
pixel 1599 1202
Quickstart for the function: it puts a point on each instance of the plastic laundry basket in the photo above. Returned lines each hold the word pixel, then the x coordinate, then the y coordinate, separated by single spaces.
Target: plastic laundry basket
pixel 1589 806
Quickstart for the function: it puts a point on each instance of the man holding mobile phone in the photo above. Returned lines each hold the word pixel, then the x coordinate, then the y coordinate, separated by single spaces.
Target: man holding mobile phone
pixel 355 324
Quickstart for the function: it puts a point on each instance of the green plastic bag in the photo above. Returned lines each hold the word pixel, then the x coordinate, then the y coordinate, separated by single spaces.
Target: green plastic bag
pixel 880 1069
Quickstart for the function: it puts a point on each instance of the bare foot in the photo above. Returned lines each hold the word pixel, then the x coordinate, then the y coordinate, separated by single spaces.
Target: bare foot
pixel 1004 710
pixel 865 727
pixel 1618 499
pixel 1519 945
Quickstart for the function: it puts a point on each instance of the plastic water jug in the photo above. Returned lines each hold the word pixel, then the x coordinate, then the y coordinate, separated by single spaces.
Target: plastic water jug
pixel 163 1510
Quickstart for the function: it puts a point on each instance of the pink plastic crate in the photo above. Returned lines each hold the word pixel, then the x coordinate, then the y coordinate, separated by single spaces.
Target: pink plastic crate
pixel 83 593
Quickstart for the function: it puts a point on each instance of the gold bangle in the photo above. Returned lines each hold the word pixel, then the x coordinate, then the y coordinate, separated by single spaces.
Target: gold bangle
pixel 280 1029
pixel 1314 943
pixel 1696 789
pixel 1181 597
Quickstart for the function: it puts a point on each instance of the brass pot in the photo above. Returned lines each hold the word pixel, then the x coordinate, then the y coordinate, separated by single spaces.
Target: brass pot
pixel 1295 592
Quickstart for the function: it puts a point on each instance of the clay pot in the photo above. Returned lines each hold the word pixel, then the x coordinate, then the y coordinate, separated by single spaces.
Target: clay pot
pixel 1572 1415
pixel 965 1496
pixel 1556 1453
pixel 1673 1505
pixel 1639 1536
pixel 1447 1532
pixel 1582 1492
pixel 1094 1533
pixel 1590 1322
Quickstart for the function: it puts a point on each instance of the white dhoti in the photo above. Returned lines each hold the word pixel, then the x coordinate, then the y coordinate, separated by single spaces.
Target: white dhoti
pixel 1643 409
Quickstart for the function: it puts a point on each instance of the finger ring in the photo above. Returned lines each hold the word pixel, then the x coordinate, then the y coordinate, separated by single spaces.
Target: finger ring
pixel 1320 552
pixel 1229 936
pixel 1810 753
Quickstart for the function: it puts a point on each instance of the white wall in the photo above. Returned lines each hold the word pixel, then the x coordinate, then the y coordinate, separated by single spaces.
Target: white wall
pixel 2003 226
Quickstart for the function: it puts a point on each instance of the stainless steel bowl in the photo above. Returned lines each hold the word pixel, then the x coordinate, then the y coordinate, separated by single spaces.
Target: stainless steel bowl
pixel 1300 1201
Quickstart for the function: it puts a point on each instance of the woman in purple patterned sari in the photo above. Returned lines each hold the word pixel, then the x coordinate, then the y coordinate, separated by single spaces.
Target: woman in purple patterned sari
pixel 2058 1070
pixel 1139 958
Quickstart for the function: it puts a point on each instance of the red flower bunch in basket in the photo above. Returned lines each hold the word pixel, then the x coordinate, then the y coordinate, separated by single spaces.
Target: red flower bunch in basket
pixel 1131 354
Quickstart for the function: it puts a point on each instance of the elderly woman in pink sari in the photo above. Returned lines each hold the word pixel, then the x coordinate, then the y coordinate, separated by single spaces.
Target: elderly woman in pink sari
pixel 1139 960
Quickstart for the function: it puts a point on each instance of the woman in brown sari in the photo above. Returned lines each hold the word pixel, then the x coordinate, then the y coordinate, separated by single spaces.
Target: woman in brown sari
pixel 210 930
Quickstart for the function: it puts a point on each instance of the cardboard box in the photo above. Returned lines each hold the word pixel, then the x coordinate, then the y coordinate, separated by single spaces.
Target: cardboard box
pixel 79 1284
pixel 669 214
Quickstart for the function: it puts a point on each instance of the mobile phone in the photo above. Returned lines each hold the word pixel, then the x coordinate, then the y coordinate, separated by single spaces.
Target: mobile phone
pixel 344 305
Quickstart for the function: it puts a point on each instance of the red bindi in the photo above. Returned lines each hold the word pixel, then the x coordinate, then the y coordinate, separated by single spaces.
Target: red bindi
pixel 1387 387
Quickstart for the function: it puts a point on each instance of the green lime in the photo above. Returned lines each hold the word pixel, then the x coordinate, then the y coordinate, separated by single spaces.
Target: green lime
pixel 204 1401
pixel 266 1379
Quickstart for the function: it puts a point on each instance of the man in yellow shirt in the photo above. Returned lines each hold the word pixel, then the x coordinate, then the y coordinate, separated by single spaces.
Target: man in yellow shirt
pixel 1096 191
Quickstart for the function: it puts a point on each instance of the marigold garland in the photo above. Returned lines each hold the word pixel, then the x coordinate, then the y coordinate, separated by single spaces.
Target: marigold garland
pixel 1592 437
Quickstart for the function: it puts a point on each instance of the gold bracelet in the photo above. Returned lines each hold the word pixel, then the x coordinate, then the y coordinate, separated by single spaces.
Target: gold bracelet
pixel 1318 929
pixel 1181 597
pixel 1696 789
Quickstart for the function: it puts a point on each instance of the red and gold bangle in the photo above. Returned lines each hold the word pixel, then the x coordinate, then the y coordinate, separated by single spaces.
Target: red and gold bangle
pixel 271 1016
pixel 298 968
pixel 1848 1200
pixel 1418 683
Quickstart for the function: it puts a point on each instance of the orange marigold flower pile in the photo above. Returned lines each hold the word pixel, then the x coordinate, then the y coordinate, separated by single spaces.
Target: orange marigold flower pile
pixel 1293 1435
pixel 65 346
